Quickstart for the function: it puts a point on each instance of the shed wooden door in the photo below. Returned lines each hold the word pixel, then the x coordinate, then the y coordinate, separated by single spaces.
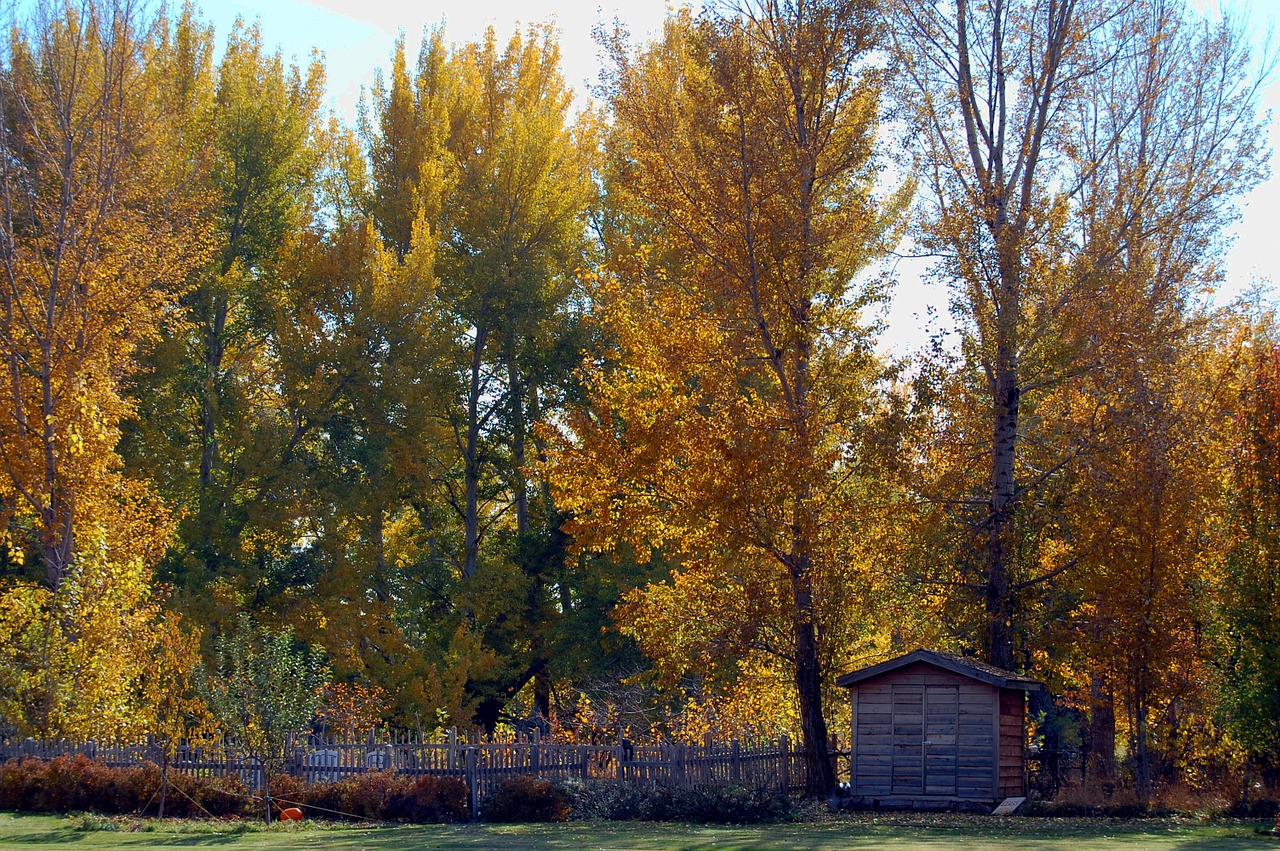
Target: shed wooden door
pixel 925 720
pixel 908 739
pixel 941 719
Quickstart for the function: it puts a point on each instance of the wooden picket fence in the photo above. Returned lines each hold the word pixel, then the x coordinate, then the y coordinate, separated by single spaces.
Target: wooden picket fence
pixel 480 764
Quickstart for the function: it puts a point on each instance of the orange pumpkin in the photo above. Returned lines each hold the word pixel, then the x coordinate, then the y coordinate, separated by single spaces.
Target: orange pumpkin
pixel 291 814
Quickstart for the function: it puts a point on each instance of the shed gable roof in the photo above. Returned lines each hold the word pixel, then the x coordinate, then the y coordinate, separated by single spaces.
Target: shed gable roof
pixel 966 667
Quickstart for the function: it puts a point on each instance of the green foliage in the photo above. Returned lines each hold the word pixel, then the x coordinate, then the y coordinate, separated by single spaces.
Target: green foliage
pixel 263 687
pixel 716 803
pixel 1250 617
pixel 209 430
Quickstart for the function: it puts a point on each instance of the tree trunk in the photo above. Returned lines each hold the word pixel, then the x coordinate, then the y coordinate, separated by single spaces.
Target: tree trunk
pixel 57 515
pixel 211 504
pixel 518 486
pixel 820 779
pixel 542 694
pixel 164 786
pixel 1141 757
pixel 266 792
pixel 471 458
pixel 999 595
pixel 1102 730
pixel 1006 394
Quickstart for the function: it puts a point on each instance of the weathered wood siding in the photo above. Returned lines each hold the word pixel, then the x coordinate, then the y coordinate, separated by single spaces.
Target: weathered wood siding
pixel 1012 741
pixel 924 734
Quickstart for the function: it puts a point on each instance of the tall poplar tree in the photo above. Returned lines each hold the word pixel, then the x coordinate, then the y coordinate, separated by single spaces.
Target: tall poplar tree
pixel 101 221
pixel 99 230
pixel 726 423
pixel 213 430
pixel 1064 143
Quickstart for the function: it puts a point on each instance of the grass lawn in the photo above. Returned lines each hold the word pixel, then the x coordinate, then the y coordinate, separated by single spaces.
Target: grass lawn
pixel 863 831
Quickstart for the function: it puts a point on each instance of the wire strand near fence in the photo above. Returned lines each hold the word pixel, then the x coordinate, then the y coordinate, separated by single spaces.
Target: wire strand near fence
pixel 481 765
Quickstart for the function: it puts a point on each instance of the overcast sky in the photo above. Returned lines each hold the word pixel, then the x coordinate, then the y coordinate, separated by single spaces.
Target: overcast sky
pixel 357 36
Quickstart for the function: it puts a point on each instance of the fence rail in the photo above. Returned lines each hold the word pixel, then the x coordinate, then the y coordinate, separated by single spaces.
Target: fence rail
pixel 481 765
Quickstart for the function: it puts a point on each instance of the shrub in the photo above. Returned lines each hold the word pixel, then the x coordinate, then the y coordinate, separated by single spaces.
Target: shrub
pixel 71 783
pixel 1261 808
pixel 367 794
pixel 287 790
pixel 730 804
pixel 385 796
pixel 216 796
pixel 432 799
pixel 526 799
pixel 356 796
pixel 19 783
pixel 721 803
pixel 604 799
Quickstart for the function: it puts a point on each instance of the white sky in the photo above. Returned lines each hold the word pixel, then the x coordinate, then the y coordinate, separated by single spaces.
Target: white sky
pixel 357 36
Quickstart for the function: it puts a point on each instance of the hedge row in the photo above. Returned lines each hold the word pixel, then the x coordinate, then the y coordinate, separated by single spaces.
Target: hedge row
pixel 524 799
pixel 73 783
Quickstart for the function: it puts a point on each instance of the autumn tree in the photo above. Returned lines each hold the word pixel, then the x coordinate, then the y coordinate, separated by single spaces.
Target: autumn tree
pixel 263 689
pixel 1144 509
pixel 99 233
pixel 1249 628
pixel 102 221
pixel 725 425
pixel 415 332
pixel 213 431
pixel 358 361
pixel 517 234
pixel 1064 143
pixel 172 711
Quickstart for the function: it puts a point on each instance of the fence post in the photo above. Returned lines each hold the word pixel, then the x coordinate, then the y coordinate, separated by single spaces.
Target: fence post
pixel 582 750
pixel 784 762
pixel 472 782
pixel 535 752
pixel 735 763
pixel 453 748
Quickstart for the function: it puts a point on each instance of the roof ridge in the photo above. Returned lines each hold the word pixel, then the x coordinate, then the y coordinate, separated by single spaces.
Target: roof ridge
pixel 964 665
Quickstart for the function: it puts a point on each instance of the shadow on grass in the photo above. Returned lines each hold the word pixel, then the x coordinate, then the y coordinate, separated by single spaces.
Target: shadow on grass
pixel 72 836
pixel 859 833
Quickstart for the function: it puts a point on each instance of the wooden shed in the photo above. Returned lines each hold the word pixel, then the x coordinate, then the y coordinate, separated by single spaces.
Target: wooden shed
pixel 937 730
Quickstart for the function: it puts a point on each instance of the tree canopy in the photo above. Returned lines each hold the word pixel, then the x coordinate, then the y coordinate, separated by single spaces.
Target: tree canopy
pixel 503 408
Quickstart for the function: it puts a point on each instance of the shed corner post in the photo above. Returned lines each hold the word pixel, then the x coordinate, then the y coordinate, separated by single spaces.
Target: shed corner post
pixel 853 739
pixel 995 747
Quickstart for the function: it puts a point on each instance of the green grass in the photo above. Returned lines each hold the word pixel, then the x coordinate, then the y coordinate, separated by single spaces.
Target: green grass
pixel 853 832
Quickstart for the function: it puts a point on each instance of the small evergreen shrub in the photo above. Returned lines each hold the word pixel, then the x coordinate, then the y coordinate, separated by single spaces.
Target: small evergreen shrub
pixel 720 803
pixel 732 804
pixel 604 799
